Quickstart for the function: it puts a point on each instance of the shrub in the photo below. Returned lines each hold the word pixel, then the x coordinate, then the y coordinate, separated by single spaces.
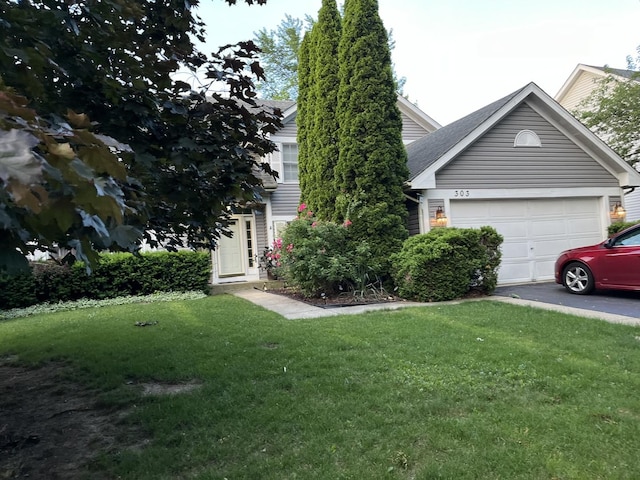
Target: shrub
pixel 115 275
pixel 379 225
pixel 619 226
pixel 447 263
pixel 319 257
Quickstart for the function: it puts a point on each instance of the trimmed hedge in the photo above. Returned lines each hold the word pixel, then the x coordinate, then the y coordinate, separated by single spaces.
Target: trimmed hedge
pixel 619 226
pixel 447 263
pixel 115 275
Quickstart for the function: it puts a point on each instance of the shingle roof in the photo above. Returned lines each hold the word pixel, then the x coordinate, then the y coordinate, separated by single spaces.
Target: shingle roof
pixel 424 152
pixel 281 104
pixel 617 71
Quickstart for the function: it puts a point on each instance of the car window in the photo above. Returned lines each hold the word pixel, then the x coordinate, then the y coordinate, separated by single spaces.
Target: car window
pixel 631 238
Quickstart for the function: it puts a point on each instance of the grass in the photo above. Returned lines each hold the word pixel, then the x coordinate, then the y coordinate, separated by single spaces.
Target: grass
pixel 469 391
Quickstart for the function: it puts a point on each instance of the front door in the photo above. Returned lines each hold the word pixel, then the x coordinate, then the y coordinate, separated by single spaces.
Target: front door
pixel 236 255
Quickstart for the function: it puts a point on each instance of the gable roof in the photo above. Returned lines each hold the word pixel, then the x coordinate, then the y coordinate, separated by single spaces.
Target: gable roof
pixel 281 104
pixel 424 152
pixel 431 153
pixel 290 109
pixel 599 71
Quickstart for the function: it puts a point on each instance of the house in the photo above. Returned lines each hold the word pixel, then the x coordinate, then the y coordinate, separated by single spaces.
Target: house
pixel 522 164
pixel 527 167
pixel 581 83
pixel 237 258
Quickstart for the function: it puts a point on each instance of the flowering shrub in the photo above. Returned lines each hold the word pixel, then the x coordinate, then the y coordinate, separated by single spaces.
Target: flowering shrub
pixel 319 257
pixel 271 258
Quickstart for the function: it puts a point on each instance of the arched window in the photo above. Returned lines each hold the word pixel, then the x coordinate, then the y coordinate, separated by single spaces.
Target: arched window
pixel 527 138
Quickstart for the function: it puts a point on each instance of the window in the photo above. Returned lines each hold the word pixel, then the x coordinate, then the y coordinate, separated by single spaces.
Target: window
pixel 631 238
pixel 290 162
pixel 527 138
pixel 278 228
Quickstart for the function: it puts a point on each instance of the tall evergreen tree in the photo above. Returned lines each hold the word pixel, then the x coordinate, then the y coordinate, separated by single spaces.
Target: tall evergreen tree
pixel 372 161
pixel 304 116
pixel 320 192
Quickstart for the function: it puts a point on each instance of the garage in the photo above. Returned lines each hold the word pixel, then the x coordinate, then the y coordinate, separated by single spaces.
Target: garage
pixel 526 167
pixel 535 231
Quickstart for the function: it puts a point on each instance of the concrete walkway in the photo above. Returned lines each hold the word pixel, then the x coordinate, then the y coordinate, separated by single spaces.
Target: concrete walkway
pixel 293 309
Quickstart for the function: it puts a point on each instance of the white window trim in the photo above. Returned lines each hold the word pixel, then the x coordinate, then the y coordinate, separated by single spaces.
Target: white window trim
pixel 276 162
pixel 284 180
pixel 527 138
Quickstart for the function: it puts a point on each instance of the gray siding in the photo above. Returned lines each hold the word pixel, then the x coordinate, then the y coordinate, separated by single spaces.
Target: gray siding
pixel 632 205
pixel 285 200
pixel 262 241
pixel 411 130
pixel 493 162
pixel 290 129
pixel 413 222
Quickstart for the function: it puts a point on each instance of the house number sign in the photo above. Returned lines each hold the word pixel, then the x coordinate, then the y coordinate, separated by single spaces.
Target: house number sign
pixel 461 193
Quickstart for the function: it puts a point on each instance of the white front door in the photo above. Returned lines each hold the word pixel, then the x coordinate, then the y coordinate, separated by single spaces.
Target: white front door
pixel 236 256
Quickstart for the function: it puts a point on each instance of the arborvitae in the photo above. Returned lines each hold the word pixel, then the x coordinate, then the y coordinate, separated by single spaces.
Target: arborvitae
pixel 372 163
pixel 304 115
pixel 320 192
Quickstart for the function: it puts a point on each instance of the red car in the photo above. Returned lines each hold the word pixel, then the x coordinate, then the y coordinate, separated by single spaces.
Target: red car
pixel 613 264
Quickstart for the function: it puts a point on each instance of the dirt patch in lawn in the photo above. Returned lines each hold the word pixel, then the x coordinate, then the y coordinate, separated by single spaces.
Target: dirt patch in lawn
pixel 52 428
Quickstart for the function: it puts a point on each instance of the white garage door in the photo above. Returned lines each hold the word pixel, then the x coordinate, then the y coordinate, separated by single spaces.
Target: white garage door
pixel 534 231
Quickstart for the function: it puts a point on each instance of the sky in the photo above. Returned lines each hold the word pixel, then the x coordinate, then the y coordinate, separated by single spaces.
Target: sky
pixel 460 55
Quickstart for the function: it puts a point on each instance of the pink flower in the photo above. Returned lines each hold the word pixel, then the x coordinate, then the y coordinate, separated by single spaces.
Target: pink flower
pixel 346 223
pixel 302 207
pixel 314 224
pixel 309 213
pixel 290 248
pixel 277 255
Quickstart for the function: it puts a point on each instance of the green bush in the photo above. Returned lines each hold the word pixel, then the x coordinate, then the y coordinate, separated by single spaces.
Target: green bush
pixel 619 226
pixel 447 263
pixel 115 275
pixel 319 257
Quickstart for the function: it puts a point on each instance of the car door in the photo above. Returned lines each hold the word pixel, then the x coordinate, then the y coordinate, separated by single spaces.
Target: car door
pixel 621 262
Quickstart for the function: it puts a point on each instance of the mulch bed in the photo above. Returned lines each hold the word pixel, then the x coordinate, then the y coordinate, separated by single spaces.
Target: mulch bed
pixel 347 299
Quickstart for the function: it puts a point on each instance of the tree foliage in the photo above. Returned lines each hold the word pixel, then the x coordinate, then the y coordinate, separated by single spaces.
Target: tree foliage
pixel 320 100
pixel 612 111
pixel 279 52
pixel 371 167
pixel 101 146
pixel 305 114
pixel 280 56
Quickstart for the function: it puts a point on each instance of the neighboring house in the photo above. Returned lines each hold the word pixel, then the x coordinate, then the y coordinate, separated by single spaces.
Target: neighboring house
pixel 237 259
pixel 581 83
pixel 527 167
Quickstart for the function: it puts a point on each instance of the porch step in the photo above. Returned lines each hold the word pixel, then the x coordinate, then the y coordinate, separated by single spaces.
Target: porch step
pixel 220 288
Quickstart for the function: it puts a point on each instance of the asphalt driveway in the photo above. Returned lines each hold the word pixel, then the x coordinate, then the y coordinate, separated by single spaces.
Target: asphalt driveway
pixel 613 302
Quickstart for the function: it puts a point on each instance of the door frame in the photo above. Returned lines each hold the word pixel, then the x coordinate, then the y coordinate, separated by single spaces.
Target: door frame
pixel 249 255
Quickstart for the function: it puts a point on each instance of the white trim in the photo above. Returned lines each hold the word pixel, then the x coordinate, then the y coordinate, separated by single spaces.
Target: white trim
pixel 597 149
pixel 575 75
pixel 513 193
pixel 414 113
pixel 272 220
pixel 527 138
pixel 551 111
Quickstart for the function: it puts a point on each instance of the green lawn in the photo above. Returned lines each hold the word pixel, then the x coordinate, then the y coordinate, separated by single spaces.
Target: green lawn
pixel 480 390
